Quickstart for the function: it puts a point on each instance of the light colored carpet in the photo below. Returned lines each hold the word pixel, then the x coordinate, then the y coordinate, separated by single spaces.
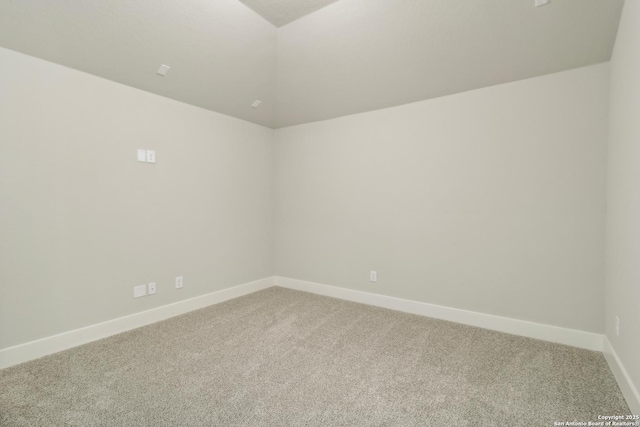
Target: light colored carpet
pixel 286 358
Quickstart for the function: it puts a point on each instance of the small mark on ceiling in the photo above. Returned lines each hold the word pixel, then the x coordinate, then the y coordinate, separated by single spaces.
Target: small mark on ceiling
pixel 163 70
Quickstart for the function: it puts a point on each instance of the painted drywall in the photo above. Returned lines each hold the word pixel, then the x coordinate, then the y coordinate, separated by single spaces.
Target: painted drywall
pixel 623 201
pixel 490 201
pixel 82 222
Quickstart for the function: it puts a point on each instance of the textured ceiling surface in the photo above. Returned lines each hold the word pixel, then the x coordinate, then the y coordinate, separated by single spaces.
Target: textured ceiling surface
pixel 281 12
pixel 349 57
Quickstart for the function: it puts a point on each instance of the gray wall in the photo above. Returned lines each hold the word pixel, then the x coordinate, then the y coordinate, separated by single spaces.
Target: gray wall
pixel 82 222
pixel 623 220
pixel 491 200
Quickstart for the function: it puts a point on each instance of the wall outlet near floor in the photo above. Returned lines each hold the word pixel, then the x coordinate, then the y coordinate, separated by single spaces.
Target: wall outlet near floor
pixel 152 288
pixel 373 276
pixel 617 326
pixel 179 282
pixel 139 291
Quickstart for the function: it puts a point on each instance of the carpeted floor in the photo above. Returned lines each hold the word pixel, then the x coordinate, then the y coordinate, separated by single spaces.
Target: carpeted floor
pixel 286 358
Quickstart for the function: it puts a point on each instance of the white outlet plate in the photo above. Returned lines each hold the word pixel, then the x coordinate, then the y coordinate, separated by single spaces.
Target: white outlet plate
pixel 152 288
pixel 139 291
pixel 373 276
pixel 179 282
pixel 151 156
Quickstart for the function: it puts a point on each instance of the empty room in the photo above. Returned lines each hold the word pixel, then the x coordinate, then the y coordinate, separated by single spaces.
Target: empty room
pixel 320 213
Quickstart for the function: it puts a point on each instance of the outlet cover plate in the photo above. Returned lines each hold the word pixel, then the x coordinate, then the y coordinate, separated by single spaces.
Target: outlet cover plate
pixel 151 156
pixel 139 291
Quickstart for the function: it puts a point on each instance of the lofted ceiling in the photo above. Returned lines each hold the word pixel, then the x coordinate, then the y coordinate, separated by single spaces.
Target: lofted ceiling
pixel 281 12
pixel 222 54
pixel 330 58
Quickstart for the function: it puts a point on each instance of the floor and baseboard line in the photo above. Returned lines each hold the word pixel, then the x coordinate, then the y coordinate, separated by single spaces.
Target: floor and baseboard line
pixel 288 358
pixel 572 337
pixel 629 391
pixel 42 347
pixel 66 340
pixel 587 340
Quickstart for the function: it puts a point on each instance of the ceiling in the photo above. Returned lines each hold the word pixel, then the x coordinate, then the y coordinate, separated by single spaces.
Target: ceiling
pixel 222 54
pixel 281 12
pixel 348 57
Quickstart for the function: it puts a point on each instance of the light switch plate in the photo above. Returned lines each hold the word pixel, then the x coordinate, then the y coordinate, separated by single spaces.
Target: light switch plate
pixel 179 282
pixel 139 291
pixel 152 288
pixel 151 156
pixel 142 155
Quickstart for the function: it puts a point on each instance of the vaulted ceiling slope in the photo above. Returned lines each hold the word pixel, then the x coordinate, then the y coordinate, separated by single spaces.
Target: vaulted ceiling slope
pixel 348 57
pixel 360 55
pixel 281 12
pixel 222 54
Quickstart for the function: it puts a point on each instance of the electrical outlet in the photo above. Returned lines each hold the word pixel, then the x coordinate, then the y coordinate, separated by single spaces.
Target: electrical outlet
pixel 152 288
pixel 151 156
pixel 179 282
pixel 617 326
pixel 139 291
pixel 373 276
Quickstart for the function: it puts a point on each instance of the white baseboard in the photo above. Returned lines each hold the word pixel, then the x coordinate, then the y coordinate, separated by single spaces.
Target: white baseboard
pixel 572 337
pixel 591 341
pixel 629 390
pixel 49 345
